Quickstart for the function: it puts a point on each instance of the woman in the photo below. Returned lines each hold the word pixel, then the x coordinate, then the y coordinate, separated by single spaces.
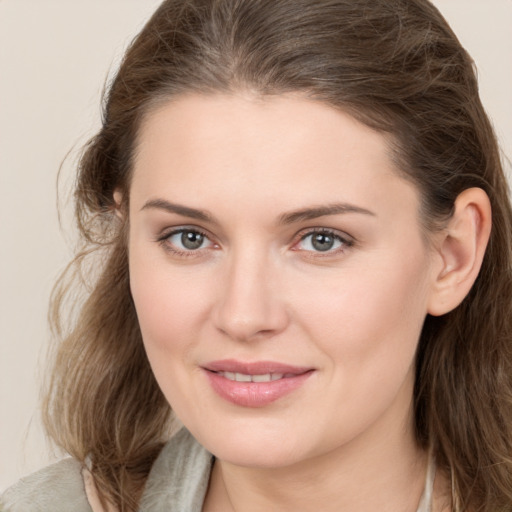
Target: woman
pixel 292 201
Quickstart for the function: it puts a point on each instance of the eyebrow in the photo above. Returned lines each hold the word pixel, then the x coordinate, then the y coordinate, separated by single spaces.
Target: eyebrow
pixel 321 211
pixel 284 219
pixel 185 211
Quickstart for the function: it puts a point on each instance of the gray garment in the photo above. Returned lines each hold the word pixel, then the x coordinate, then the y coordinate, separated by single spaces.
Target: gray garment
pixel 177 482
pixel 179 478
pixel 58 487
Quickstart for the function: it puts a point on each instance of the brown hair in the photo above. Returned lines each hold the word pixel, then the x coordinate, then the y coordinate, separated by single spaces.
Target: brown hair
pixel 396 66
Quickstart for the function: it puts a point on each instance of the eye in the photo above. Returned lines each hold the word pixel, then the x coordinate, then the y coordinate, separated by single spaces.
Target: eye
pixel 323 241
pixel 185 240
pixel 190 240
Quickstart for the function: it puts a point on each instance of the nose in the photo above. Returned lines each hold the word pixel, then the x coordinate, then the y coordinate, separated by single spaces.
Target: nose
pixel 250 305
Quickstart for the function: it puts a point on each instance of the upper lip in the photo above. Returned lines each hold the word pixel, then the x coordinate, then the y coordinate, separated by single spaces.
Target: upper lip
pixel 255 368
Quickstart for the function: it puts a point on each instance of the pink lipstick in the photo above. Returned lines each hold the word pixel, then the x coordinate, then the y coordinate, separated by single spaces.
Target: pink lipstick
pixel 254 384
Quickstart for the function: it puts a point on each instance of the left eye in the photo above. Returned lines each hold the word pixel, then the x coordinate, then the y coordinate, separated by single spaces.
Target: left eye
pixel 188 240
pixel 321 241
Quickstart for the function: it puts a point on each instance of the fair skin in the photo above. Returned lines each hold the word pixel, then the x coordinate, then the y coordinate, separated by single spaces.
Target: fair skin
pixel 252 270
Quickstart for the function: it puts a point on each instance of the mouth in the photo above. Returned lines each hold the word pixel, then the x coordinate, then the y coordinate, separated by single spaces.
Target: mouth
pixel 254 384
pixel 244 377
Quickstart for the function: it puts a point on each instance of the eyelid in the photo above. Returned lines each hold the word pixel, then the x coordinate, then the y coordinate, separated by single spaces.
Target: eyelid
pixel 163 239
pixel 347 241
pixel 169 231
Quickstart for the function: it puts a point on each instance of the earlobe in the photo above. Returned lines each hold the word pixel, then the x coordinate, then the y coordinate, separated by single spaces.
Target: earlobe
pixel 461 248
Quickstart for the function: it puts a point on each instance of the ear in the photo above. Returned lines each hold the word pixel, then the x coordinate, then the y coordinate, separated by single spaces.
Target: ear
pixel 461 246
pixel 118 200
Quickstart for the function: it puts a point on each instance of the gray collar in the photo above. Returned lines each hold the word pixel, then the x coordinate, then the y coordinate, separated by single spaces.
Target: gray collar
pixel 179 477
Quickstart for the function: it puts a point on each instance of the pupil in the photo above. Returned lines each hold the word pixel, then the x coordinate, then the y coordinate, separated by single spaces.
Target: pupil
pixel 322 242
pixel 191 239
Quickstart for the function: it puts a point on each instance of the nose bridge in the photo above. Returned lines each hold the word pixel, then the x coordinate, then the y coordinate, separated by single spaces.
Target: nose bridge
pixel 250 303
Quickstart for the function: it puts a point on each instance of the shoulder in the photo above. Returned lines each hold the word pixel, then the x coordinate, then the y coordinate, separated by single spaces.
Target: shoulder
pixel 179 477
pixel 178 481
pixel 58 488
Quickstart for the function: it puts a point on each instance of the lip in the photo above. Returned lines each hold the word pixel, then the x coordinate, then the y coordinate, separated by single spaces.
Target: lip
pixel 254 368
pixel 255 394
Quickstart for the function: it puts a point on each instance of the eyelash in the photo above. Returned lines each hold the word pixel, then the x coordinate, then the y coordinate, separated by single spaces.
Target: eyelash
pixel 344 241
pixel 164 241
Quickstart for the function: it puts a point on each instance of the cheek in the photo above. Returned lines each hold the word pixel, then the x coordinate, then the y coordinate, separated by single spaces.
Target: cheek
pixel 367 329
pixel 368 318
pixel 168 308
pixel 168 304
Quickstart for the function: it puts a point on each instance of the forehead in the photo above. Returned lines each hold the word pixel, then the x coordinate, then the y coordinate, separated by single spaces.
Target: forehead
pixel 241 147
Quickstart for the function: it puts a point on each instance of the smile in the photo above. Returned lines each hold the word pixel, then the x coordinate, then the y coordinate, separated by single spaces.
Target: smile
pixel 254 384
pixel 243 377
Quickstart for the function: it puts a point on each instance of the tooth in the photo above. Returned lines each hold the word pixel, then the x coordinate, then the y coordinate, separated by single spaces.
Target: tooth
pixel 261 378
pixel 242 377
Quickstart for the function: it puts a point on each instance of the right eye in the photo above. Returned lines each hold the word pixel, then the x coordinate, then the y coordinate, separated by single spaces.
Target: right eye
pixel 185 240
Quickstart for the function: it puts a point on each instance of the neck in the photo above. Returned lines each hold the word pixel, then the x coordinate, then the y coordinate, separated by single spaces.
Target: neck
pixel 383 470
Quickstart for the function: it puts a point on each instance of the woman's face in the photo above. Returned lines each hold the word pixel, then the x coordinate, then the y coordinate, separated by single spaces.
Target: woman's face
pixel 280 276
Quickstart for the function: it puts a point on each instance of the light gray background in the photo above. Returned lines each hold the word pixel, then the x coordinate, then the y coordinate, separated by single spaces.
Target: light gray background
pixel 54 58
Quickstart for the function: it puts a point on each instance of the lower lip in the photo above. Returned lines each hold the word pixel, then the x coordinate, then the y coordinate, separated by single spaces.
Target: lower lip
pixel 255 394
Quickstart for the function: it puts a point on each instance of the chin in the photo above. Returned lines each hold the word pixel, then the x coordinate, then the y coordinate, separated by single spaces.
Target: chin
pixel 252 447
pixel 262 458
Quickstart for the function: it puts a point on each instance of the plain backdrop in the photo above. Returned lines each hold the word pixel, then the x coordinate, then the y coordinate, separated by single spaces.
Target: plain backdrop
pixel 54 58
